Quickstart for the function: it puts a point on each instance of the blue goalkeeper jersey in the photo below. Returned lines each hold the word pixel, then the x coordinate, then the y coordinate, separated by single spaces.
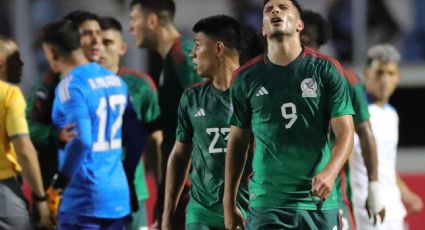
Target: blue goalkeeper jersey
pixel 94 99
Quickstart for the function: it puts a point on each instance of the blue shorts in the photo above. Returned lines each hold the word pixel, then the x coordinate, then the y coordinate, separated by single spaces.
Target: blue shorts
pixel 76 222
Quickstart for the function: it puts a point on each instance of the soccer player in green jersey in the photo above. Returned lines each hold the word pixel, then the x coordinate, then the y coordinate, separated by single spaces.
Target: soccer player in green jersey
pixel 288 97
pixel 144 97
pixel 151 24
pixel 315 34
pixel 203 128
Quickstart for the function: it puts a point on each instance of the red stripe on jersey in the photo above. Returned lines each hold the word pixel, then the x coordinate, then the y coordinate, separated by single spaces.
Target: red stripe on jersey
pixel 317 54
pixel 124 70
pixel 200 83
pixel 351 76
pixel 245 66
pixel 346 200
pixel 176 52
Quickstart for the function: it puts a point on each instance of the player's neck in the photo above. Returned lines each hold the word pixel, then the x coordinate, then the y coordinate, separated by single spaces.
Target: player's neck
pixel 167 36
pixel 381 103
pixel 76 59
pixel 224 74
pixel 114 69
pixel 283 52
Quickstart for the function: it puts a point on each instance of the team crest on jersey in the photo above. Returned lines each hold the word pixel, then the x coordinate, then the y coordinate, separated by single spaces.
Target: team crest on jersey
pixel 309 87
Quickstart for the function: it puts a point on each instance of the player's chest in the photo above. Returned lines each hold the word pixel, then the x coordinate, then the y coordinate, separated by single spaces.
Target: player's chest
pixel 211 111
pixel 280 91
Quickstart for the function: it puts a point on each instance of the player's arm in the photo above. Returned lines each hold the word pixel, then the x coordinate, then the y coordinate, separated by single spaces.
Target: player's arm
pixel 154 154
pixel 237 146
pixel 341 120
pixel 17 130
pixel 76 112
pixel 132 132
pixel 236 156
pixel 343 129
pixel 177 170
pixel 411 200
pixel 151 122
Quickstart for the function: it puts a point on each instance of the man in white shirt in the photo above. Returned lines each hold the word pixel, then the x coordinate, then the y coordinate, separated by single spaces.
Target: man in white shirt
pixel 382 76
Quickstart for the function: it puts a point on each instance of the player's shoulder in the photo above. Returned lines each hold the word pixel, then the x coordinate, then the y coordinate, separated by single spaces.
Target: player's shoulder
pixel 197 88
pixel 10 94
pixel 250 68
pixel 321 59
pixel 391 110
pixel 181 49
pixel 351 76
pixel 9 90
pixel 139 78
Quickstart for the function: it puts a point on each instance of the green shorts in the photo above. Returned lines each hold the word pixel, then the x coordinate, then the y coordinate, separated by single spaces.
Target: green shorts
pixel 290 218
pixel 211 217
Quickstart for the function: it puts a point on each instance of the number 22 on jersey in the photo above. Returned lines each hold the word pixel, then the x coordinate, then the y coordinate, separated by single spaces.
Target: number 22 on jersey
pixel 116 102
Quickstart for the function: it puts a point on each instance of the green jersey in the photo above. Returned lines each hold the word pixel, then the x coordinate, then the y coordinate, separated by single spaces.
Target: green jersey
pixel 178 74
pixel 144 98
pixel 289 109
pixel 203 120
pixel 360 105
pixel 43 134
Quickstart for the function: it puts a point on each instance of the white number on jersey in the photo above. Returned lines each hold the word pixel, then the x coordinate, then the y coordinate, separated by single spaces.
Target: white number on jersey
pixel 289 111
pixel 217 131
pixel 116 102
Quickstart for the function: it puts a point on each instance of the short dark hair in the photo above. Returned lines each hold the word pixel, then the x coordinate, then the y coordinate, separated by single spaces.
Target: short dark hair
pixel 221 27
pixel 63 36
pixel 165 9
pixel 295 2
pixel 319 23
pixel 252 44
pixel 110 23
pixel 78 17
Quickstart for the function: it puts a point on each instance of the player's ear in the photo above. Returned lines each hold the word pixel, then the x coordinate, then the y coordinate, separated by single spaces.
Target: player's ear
pixel 153 20
pixel 123 48
pixel 300 25
pixel 219 47
pixel 55 54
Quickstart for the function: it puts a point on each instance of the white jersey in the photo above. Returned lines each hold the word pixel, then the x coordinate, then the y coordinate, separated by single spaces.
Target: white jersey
pixel 384 123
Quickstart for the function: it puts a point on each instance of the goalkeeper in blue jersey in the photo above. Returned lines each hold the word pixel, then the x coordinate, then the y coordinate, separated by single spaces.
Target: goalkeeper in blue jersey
pixel 91 176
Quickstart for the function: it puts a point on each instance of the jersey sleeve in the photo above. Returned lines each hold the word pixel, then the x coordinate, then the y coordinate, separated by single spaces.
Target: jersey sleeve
pixel 240 109
pixel 184 131
pixel 73 101
pixel 16 124
pixel 359 100
pixel 150 109
pixel 338 94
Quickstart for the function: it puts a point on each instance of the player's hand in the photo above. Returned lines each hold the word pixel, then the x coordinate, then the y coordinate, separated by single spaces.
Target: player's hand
pixel 374 203
pixel 412 202
pixel 233 219
pixel 322 184
pixel 45 221
pixel 54 198
pixel 67 133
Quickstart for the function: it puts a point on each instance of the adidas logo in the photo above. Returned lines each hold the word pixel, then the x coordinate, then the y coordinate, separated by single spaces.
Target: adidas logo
pixel 200 113
pixel 262 91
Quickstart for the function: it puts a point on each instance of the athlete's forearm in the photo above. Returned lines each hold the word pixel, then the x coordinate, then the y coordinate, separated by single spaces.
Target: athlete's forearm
pixel 27 158
pixel 77 148
pixel 154 154
pixel 344 132
pixel 368 147
pixel 177 170
pixel 235 162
